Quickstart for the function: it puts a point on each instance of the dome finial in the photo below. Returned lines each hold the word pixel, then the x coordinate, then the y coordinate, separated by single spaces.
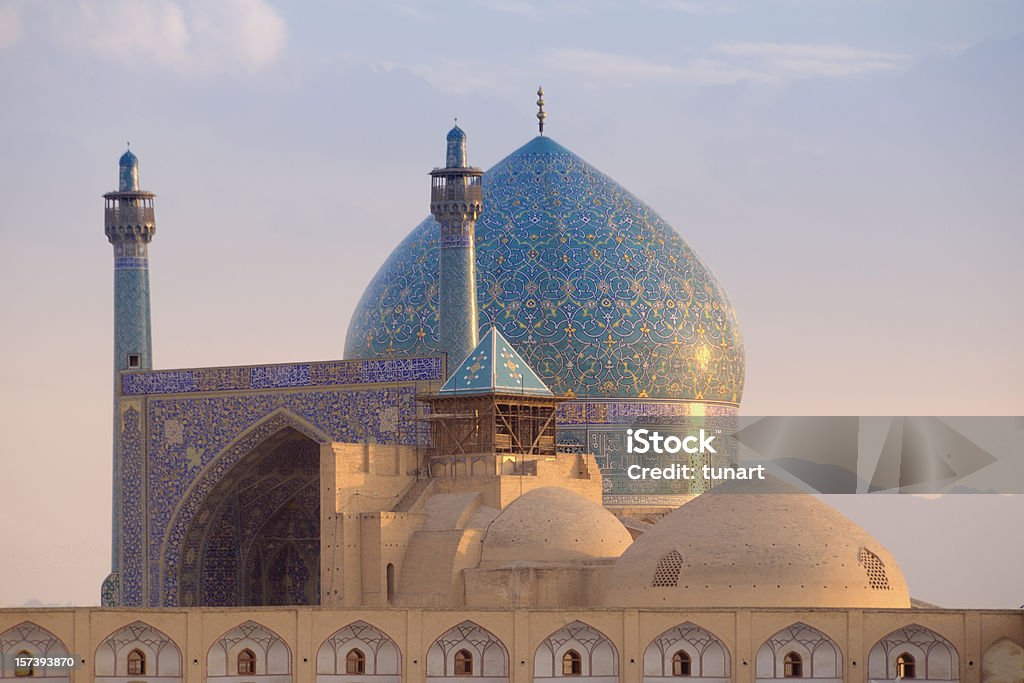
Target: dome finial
pixel 540 109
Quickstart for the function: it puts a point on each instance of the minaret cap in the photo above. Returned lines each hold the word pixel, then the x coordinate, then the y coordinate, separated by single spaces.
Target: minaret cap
pixel 456 156
pixel 129 172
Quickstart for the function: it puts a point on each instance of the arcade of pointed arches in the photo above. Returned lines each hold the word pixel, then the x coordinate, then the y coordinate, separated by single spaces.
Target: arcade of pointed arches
pixel 469 650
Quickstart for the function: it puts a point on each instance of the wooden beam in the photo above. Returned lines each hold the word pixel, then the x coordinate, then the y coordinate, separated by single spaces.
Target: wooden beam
pixel 541 432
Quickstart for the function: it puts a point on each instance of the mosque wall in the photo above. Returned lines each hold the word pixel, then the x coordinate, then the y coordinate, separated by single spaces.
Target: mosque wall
pixel 364 477
pixel 311 644
pixel 536 586
pixel 357 550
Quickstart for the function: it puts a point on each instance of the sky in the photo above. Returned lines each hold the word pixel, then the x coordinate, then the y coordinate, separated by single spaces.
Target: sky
pixel 851 171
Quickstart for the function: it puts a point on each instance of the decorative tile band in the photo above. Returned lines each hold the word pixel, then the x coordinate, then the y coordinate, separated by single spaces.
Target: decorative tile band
pixel 327 373
pixel 456 242
pixel 583 412
pixel 131 263
pixel 660 500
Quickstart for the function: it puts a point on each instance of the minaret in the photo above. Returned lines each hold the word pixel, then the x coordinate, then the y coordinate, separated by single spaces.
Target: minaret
pixel 129 224
pixel 456 201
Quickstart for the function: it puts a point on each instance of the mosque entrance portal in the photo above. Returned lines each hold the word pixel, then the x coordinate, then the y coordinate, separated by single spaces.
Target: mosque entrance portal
pixel 258 531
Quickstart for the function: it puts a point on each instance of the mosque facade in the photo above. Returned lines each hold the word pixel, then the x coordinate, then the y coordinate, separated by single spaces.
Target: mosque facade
pixel 445 503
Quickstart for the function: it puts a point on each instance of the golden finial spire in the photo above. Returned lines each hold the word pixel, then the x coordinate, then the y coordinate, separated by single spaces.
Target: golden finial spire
pixel 540 110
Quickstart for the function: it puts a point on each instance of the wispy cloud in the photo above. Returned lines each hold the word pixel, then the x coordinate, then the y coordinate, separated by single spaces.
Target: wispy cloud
pixel 803 60
pixel 534 10
pixel 726 64
pixel 447 75
pixel 697 7
pixel 520 7
pixel 547 8
pixel 605 68
pixel 189 37
pixel 610 67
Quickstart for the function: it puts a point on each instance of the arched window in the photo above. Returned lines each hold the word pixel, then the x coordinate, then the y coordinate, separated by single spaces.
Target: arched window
pixel 246 662
pixel 572 664
pixel 23 670
pixel 136 663
pixel 681 664
pixel 905 666
pixel 355 662
pixel 793 666
pixel 463 663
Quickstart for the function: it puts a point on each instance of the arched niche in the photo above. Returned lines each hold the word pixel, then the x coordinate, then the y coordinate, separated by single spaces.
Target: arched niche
pixel 272 662
pixel 38 642
pixel 935 658
pixel 1003 662
pixel 160 656
pixel 487 655
pixel 799 651
pixel 381 657
pixel 599 659
pixel 254 538
pixel 708 656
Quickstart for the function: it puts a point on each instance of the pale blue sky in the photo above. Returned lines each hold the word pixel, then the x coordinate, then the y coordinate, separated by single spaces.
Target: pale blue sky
pixel 850 170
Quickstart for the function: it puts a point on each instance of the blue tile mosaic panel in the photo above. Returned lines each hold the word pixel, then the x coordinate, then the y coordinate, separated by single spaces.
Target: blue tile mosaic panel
pixel 325 373
pixel 190 440
pixel 131 504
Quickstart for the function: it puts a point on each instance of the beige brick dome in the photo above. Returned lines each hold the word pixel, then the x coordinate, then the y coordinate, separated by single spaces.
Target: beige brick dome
pixel 778 547
pixel 553 525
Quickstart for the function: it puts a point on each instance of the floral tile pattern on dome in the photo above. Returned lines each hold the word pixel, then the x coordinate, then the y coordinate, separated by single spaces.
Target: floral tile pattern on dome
pixel 597 292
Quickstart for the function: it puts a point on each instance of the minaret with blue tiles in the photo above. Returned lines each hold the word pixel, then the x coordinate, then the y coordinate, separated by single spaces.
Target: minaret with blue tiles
pixel 129 223
pixel 456 201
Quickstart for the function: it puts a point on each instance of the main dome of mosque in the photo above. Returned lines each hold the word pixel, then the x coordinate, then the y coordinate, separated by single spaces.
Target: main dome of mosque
pixel 598 293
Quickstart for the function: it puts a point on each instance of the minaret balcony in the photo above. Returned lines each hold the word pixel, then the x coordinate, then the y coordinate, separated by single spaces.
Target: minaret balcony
pixel 457 192
pixel 129 215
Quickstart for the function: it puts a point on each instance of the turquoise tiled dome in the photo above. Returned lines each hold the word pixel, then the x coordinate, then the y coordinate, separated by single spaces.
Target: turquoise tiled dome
pixel 598 293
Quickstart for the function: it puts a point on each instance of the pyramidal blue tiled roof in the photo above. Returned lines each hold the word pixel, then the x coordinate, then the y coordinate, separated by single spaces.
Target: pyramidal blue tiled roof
pixel 494 366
